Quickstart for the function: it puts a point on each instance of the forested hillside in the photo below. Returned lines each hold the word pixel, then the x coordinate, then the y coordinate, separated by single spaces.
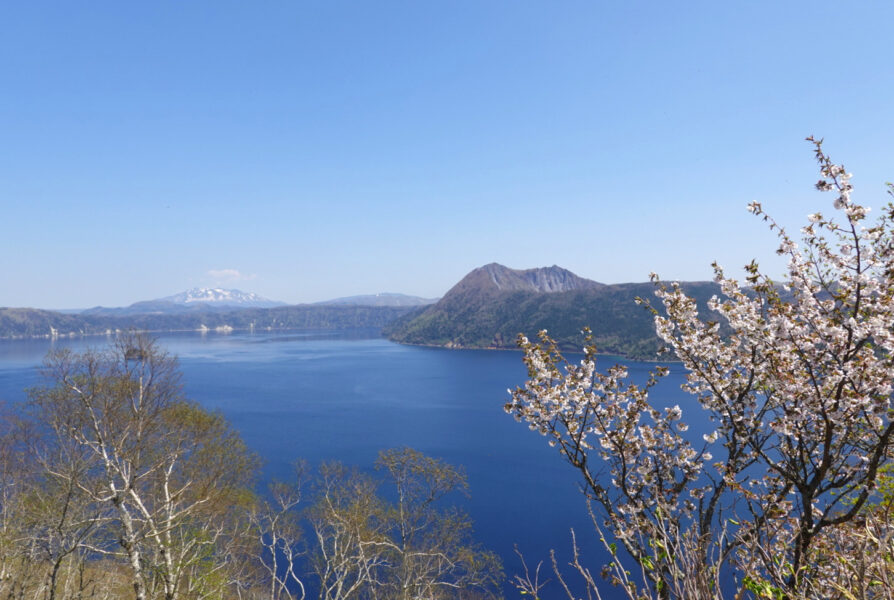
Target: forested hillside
pixel 29 322
pixel 476 313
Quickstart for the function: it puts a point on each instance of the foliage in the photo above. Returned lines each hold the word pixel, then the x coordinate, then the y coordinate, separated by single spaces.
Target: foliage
pixel 165 477
pixel 114 485
pixel 404 549
pixel 488 319
pixel 29 322
pixel 797 380
pixel 275 523
pixel 433 553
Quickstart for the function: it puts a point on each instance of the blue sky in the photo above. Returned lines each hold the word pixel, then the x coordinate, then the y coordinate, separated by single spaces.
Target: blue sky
pixel 309 150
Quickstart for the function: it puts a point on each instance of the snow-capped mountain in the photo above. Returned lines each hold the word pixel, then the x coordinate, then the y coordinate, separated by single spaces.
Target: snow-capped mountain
pixel 191 301
pixel 221 297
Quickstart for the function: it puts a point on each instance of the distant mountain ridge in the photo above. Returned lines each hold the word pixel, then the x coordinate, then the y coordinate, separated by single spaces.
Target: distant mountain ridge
pixel 32 323
pixel 491 305
pixel 221 297
pixel 202 309
pixel 382 299
pixel 195 300
pixel 487 308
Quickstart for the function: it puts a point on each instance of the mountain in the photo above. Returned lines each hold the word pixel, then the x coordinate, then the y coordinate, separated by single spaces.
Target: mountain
pixel 491 305
pixel 497 278
pixel 383 299
pixel 196 300
pixel 221 297
pixel 29 322
pixel 33 322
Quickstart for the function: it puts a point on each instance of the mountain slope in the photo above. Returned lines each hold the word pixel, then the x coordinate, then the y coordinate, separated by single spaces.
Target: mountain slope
pixel 32 322
pixel 491 305
pixel 495 279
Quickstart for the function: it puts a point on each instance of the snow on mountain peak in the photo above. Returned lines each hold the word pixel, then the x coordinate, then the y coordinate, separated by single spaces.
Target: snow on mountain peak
pixel 220 296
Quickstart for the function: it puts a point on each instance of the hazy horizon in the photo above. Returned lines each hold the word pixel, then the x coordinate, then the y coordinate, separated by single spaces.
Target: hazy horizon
pixel 310 151
pixel 248 289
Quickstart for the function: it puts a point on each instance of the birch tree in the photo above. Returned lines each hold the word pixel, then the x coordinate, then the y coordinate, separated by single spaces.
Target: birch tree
pixel 350 554
pixel 433 552
pixel 49 527
pixel 398 544
pixel 170 473
pixel 18 573
pixel 276 526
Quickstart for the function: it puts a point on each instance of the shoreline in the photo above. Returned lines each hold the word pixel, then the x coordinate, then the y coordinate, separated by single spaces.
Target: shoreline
pixel 227 330
pixel 507 349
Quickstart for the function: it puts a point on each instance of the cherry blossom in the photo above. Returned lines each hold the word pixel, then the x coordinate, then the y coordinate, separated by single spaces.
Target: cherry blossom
pixel 796 376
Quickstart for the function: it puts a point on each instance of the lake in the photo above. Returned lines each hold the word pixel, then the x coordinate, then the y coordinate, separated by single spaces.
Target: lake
pixel 334 396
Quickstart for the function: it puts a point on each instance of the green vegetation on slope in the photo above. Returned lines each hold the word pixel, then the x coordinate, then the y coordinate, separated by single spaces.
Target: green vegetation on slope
pixel 29 322
pixel 493 319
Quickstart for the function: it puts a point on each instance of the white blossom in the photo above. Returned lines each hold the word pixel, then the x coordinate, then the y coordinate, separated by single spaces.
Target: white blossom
pixel 797 380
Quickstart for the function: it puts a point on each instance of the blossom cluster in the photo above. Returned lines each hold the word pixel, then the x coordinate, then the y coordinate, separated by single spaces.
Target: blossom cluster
pixel 795 374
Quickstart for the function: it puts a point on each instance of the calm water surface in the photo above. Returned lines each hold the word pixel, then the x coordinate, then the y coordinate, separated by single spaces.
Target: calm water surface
pixel 321 396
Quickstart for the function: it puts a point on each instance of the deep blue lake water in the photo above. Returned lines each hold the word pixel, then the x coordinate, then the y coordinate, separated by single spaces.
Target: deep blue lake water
pixel 320 396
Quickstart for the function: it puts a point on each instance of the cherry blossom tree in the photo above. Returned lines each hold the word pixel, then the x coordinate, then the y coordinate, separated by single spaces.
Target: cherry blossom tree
pixel 796 377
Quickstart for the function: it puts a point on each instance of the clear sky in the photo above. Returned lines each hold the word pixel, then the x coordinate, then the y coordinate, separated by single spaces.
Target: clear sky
pixel 309 150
